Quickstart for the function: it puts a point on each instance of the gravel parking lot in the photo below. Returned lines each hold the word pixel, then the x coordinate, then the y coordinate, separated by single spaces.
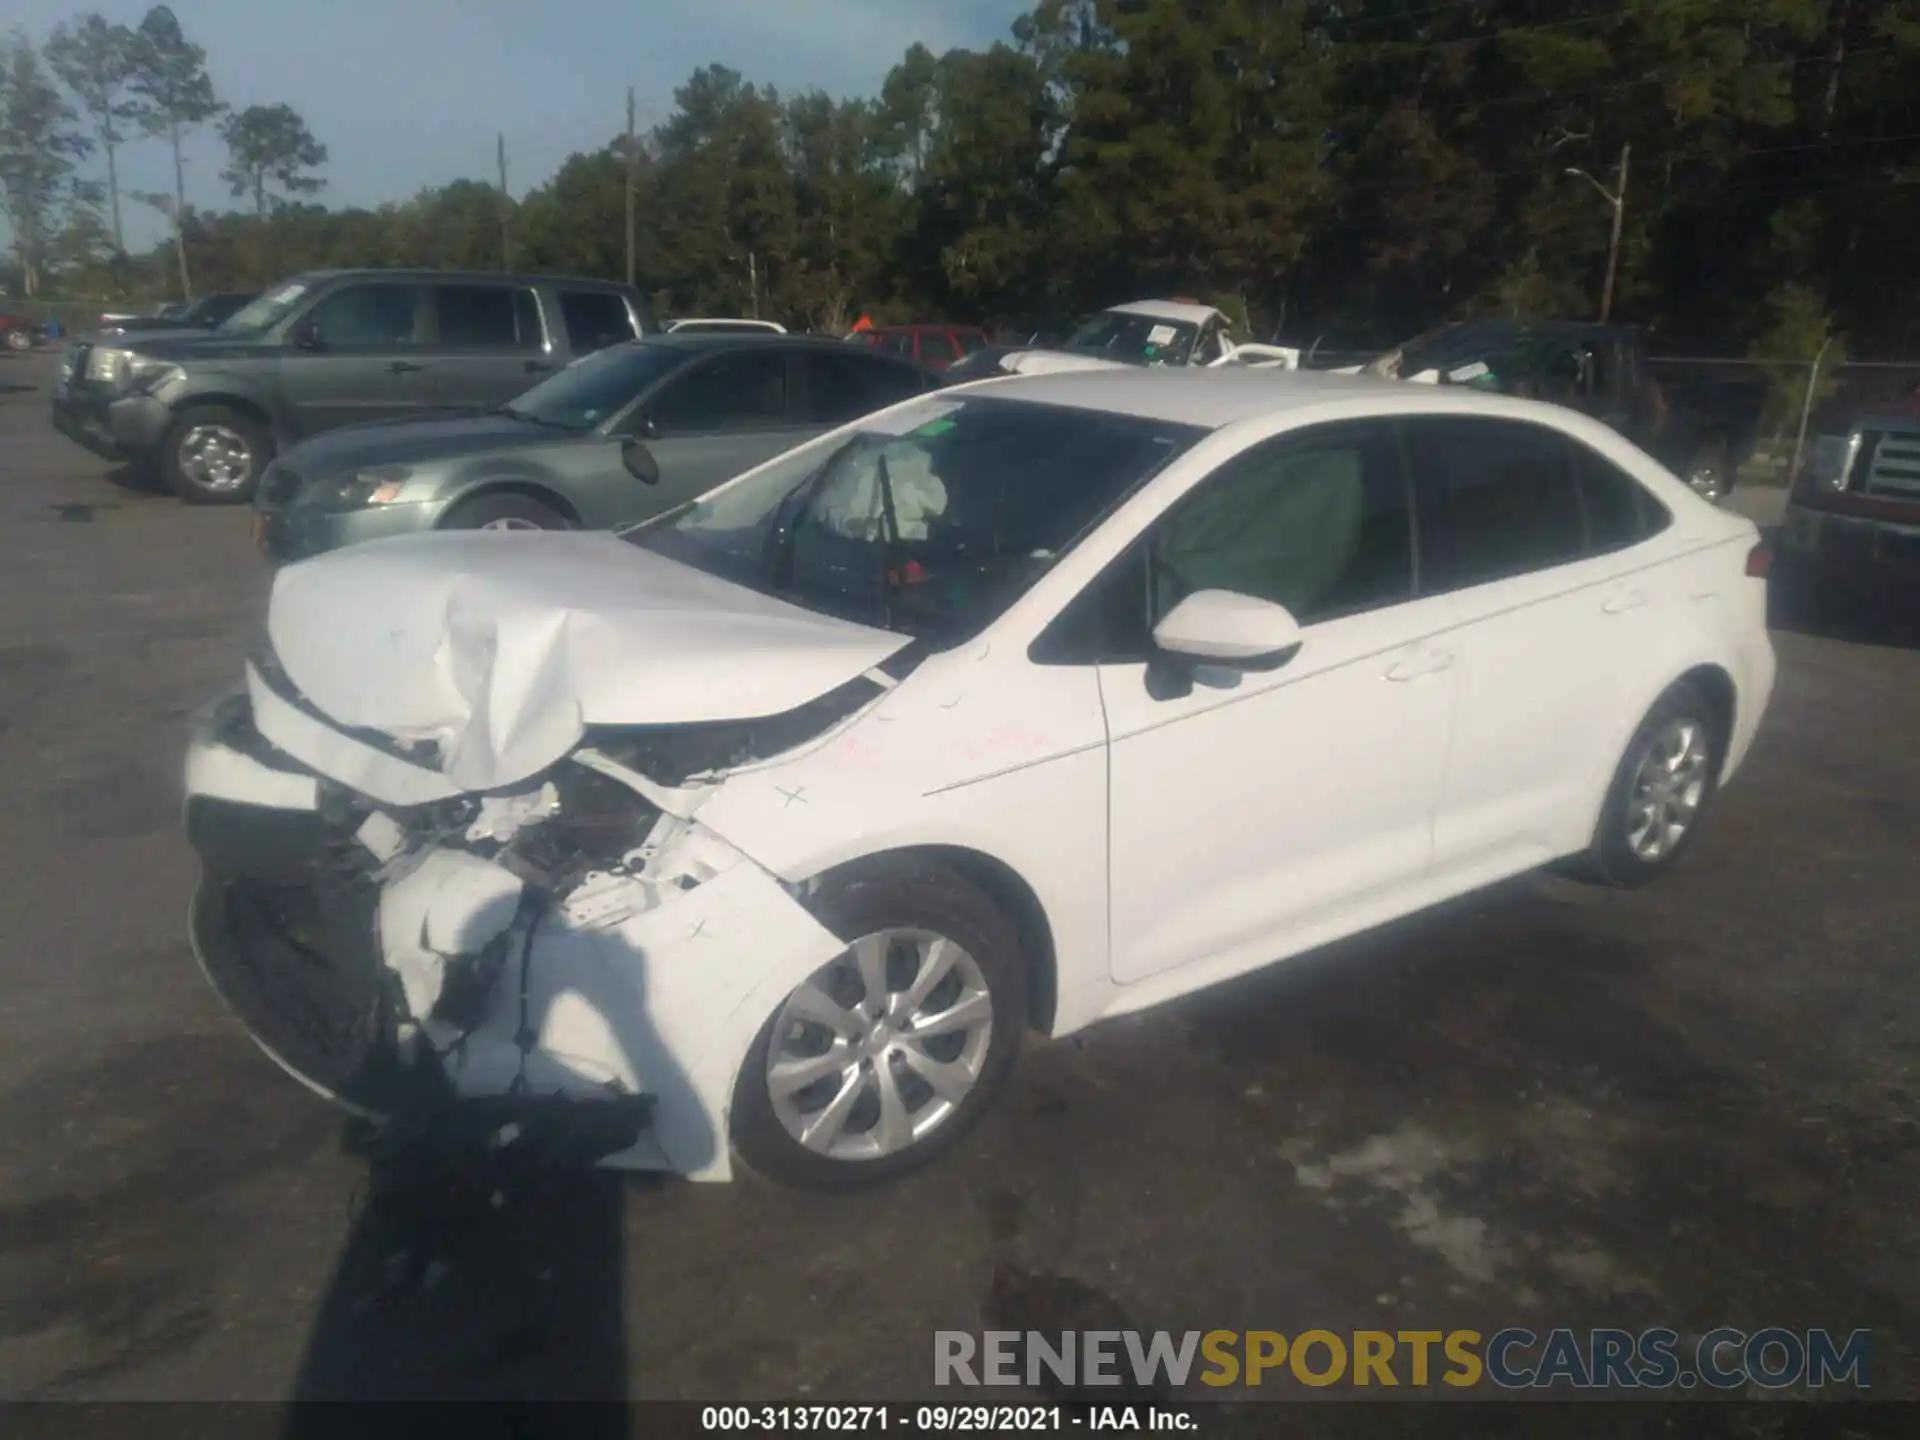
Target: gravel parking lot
pixel 1696 1105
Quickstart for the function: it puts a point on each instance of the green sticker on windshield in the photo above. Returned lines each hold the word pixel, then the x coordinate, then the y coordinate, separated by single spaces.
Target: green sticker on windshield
pixel 935 427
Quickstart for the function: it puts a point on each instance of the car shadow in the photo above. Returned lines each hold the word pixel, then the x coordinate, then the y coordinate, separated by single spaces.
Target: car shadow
pixel 136 480
pixel 1888 618
pixel 484 1261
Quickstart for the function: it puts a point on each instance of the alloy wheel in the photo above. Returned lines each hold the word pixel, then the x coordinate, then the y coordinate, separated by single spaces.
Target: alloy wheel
pixel 879 1048
pixel 216 457
pixel 1668 786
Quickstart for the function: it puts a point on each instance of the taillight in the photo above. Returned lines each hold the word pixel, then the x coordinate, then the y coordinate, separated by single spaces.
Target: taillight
pixel 1759 561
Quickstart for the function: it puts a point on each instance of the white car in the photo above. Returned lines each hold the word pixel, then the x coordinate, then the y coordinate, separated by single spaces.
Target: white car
pixel 769 827
pixel 1151 332
pixel 727 326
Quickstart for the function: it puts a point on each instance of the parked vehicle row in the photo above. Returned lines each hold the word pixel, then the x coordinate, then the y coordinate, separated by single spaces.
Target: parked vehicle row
pixel 761 833
pixel 208 411
pixel 565 453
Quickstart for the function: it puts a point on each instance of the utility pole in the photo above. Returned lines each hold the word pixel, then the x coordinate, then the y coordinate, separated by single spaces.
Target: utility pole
pixel 1618 200
pixel 506 207
pixel 630 160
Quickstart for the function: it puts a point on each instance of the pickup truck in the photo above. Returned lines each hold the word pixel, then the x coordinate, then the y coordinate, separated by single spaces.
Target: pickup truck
pixel 1852 527
pixel 208 411
pixel 1701 431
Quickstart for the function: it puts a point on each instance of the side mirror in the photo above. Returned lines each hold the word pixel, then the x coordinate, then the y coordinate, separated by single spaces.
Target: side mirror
pixel 1218 627
pixel 639 461
pixel 1221 630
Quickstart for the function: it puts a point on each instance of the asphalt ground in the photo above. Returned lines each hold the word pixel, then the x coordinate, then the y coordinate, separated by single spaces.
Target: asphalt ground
pixel 1546 1105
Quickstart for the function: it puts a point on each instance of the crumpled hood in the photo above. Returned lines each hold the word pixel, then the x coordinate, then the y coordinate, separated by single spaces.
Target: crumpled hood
pixel 504 646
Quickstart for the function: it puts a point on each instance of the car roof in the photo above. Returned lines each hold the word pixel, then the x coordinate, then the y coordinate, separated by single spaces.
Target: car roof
pixel 1176 310
pixel 756 339
pixel 493 277
pixel 1214 399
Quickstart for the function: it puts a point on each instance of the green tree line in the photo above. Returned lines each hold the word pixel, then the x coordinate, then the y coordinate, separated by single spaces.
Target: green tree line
pixel 1349 171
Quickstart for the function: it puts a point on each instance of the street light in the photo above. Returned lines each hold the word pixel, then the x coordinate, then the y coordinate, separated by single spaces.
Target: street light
pixel 1618 200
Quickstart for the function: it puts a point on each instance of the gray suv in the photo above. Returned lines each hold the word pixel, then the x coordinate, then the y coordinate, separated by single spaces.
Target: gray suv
pixel 326 349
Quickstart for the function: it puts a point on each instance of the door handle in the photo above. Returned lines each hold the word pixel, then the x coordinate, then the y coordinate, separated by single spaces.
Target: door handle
pixel 537 367
pixel 401 367
pixel 1427 662
pixel 1623 602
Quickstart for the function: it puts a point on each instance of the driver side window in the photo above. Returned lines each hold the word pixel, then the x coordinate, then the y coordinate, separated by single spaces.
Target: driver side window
pixel 742 391
pixel 1318 521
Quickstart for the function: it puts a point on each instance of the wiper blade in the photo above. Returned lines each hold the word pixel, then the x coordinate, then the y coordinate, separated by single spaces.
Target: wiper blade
pixel 532 419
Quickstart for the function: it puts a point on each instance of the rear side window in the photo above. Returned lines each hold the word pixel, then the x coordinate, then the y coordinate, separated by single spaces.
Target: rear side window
pixel 896 342
pixel 1620 510
pixel 845 387
pixel 368 316
pixel 1495 498
pixel 594 319
pixel 490 316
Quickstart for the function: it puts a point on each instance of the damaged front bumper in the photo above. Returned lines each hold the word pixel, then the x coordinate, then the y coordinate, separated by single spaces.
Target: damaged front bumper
pixel 407 949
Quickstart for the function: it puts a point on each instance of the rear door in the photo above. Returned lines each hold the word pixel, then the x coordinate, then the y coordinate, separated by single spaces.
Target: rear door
pixel 719 416
pixel 1538 544
pixel 365 357
pixel 593 319
pixel 488 344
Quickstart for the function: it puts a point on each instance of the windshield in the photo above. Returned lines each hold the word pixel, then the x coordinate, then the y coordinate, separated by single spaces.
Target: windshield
pixel 1134 339
pixel 590 391
pixel 930 519
pixel 265 311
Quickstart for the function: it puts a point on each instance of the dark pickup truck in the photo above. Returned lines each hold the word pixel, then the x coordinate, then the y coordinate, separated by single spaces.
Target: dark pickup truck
pixel 208 411
pixel 1851 535
pixel 1700 430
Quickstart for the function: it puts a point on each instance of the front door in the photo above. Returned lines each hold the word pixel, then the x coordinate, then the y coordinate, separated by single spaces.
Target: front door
pixel 716 418
pixel 364 358
pixel 1261 808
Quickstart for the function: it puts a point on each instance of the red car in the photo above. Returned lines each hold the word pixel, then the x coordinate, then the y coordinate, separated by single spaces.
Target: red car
pixel 18 334
pixel 934 346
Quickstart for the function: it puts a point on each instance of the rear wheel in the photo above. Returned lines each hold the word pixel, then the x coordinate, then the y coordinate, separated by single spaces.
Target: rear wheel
pixel 885 1056
pixel 1661 790
pixel 505 511
pixel 214 455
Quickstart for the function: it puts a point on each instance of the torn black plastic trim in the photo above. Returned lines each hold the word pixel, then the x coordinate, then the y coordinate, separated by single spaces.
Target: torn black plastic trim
pixel 671 754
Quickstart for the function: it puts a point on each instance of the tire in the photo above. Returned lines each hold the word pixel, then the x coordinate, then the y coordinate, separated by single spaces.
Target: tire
pixel 912 901
pixel 19 341
pixel 214 455
pixel 1709 473
pixel 504 510
pixel 1621 854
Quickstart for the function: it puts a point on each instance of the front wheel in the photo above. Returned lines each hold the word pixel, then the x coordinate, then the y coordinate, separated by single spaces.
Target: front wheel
pixel 885 1056
pixel 505 511
pixel 214 455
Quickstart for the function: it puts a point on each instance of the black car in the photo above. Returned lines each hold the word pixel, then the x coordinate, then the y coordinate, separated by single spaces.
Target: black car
pixel 207 411
pixel 205 313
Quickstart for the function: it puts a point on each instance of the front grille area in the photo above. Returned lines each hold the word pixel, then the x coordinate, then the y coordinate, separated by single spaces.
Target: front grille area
pixel 1890 464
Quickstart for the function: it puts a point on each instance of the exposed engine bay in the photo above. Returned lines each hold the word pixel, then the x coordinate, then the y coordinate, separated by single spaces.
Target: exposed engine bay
pixel 580 937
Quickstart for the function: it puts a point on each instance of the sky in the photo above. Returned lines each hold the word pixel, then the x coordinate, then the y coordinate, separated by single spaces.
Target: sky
pixel 410 93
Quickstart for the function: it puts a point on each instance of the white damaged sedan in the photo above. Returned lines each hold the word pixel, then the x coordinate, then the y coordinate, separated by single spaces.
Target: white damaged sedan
pixel 766 830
